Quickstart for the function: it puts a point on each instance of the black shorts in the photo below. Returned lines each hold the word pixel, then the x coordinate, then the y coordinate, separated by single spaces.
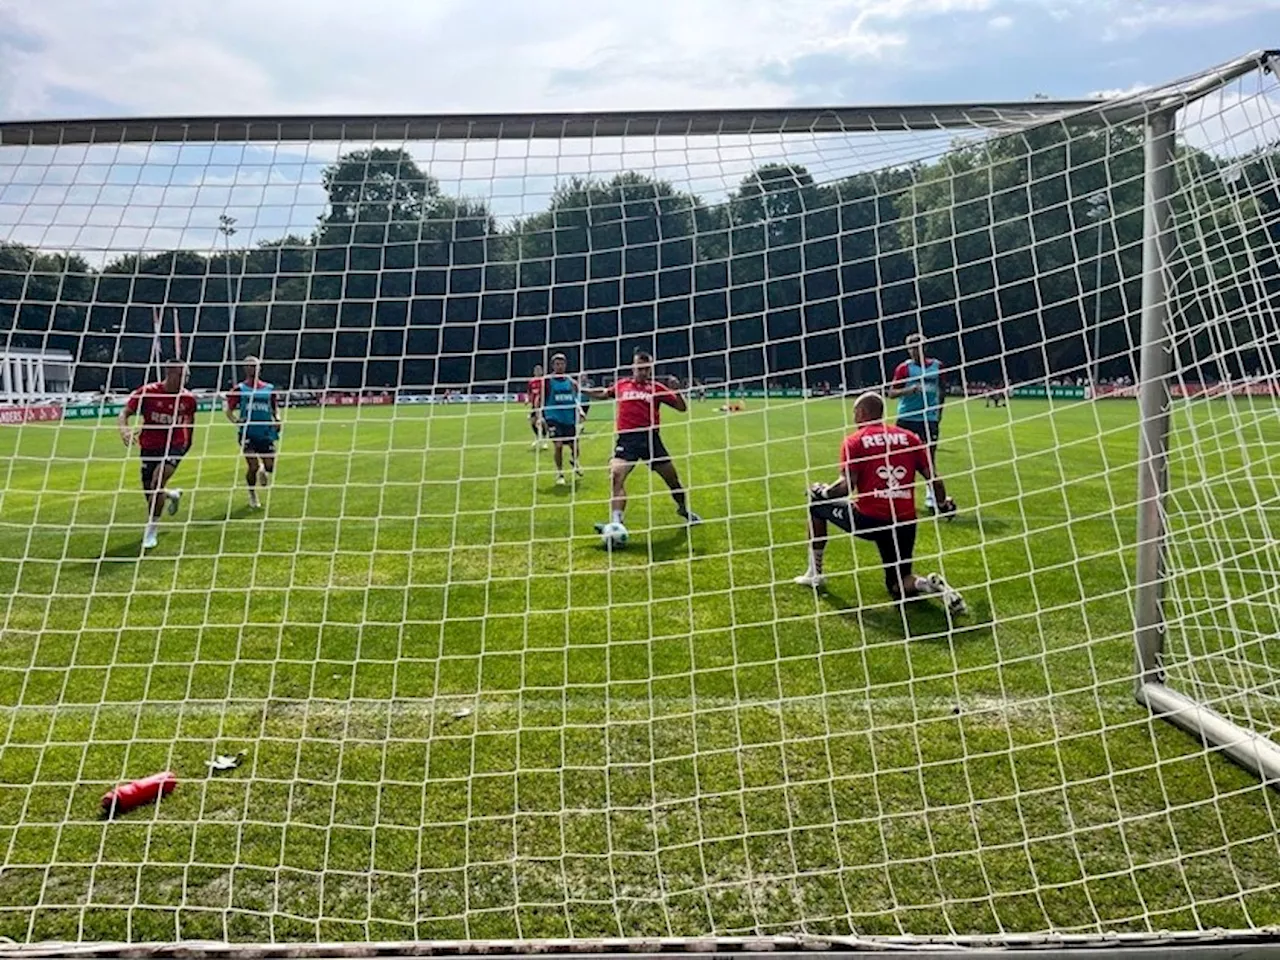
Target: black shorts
pixel 561 431
pixel 637 445
pixel 926 430
pixel 152 464
pixel 258 446
pixel 895 541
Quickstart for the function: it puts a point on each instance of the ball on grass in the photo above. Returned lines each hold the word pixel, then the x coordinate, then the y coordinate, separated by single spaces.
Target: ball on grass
pixel 613 536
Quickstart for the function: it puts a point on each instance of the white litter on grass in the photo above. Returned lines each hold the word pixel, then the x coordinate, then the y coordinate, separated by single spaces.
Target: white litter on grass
pixel 225 761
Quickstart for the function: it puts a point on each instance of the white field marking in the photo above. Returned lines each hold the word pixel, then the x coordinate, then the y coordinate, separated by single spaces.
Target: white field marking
pixel 630 710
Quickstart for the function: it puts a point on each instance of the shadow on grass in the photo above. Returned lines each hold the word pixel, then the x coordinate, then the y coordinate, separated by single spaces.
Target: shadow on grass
pixel 923 619
pixel 117 559
pixel 245 511
pixel 984 524
pixel 667 547
pixel 123 550
pixel 657 550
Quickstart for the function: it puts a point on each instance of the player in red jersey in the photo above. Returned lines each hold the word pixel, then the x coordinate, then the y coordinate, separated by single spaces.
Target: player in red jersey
pixel 537 393
pixel 878 466
pixel 168 412
pixel 640 399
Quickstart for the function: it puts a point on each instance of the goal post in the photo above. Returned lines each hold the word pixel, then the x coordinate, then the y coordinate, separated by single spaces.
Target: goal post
pixel 1251 749
pixel 411 699
pixel 1247 747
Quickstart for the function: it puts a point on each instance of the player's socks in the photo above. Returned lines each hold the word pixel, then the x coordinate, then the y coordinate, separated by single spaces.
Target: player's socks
pixel 174 497
pixel 812 577
pixel 149 536
pixel 253 499
pixel 617 516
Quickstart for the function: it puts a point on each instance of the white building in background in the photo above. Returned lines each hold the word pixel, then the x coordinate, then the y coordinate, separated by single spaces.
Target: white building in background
pixel 29 375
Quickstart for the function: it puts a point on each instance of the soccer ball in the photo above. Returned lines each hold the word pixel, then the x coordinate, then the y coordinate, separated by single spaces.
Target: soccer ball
pixel 613 536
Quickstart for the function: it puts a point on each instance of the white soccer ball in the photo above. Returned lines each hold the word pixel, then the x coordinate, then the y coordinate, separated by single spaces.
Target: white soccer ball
pixel 613 536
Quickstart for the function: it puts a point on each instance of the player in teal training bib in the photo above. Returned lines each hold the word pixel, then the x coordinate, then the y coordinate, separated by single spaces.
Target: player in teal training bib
pixel 254 407
pixel 560 410
pixel 917 386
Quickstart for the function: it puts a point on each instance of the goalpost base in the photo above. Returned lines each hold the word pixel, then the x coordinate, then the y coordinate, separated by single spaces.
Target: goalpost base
pixel 1250 750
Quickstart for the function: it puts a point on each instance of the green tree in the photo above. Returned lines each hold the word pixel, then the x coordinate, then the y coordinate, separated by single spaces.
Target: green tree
pixel 44 298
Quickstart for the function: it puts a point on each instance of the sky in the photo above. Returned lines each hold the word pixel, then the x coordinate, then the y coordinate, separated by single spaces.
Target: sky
pixel 64 58
pixel 100 58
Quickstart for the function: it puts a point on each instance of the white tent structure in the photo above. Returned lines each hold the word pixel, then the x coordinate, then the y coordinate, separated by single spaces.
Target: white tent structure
pixel 31 375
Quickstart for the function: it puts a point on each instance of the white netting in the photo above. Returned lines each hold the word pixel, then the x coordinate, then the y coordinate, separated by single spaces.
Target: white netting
pixel 460 717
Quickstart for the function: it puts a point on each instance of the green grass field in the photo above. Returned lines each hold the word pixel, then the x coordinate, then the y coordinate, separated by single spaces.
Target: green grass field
pixel 463 718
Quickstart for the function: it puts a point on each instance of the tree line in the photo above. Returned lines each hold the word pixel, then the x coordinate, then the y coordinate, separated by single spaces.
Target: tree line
pixel 996 249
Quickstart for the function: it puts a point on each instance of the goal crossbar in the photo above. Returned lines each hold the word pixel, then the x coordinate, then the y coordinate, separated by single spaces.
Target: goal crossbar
pixel 647 123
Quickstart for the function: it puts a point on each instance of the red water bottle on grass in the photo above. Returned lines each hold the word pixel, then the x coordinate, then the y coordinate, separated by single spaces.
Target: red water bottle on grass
pixel 129 796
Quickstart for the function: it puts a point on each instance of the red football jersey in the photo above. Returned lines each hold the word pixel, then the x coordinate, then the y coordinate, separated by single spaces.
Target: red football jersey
pixel 167 418
pixel 639 403
pixel 881 463
pixel 536 386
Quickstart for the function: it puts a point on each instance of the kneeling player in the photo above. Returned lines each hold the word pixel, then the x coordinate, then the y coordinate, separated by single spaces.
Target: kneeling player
pixel 878 466
pixel 252 405
pixel 640 398
pixel 168 412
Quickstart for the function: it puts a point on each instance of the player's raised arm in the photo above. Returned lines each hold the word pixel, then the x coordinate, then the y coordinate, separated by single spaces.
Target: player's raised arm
pixel 672 396
pixel 901 385
pixel 598 393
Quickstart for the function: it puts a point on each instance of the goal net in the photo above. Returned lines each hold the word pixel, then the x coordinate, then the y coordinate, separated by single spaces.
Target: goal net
pixel 405 691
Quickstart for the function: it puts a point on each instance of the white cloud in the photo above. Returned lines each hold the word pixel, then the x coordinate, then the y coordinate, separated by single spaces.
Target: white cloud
pixel 161 57
pixel 1119 93
pixel 59 57
pixel 1136 16
pixel 151 57
pixel 869 32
